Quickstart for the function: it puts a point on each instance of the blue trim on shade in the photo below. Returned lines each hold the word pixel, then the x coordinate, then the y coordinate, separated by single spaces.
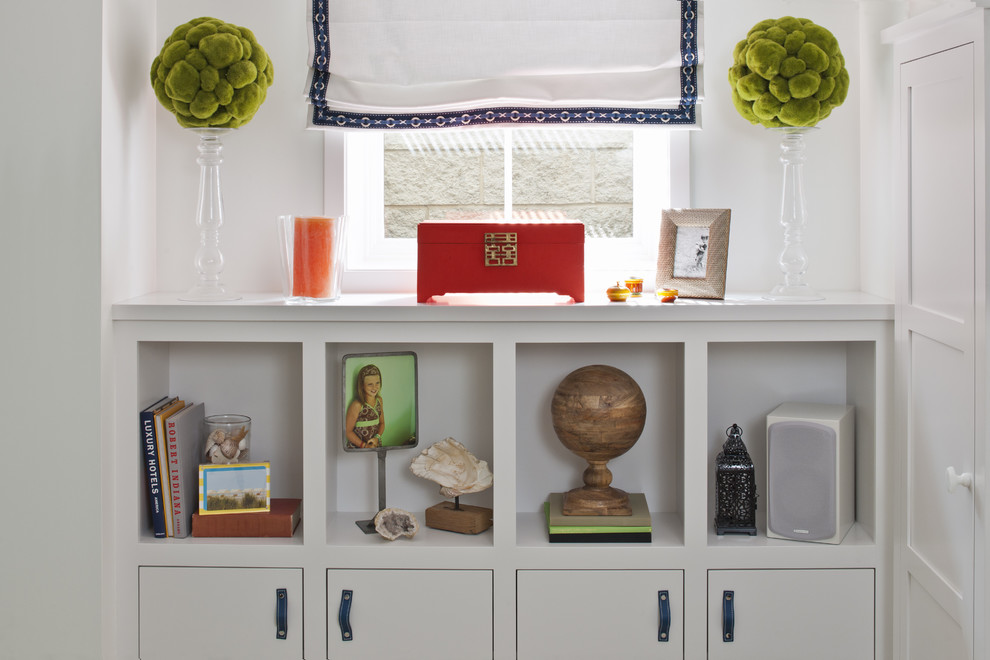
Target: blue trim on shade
pixel 684 114
pixel 507 115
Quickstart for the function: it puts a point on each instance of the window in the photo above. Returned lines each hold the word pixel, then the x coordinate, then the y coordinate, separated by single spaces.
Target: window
pixel 614 181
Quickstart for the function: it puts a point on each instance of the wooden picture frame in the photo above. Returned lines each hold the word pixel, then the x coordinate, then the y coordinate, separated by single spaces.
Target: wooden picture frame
pixel 694 250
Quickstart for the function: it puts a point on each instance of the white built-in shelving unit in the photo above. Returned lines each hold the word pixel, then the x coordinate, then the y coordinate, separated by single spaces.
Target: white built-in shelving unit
pixel 486 377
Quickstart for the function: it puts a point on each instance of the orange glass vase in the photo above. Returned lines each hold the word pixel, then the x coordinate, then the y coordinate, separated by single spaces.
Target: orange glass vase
pixel 312 258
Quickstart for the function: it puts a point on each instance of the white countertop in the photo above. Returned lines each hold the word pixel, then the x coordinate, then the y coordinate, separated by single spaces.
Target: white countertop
pixel 402 307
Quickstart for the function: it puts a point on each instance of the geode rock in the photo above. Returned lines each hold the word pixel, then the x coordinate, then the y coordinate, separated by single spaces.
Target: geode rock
pixel 392 523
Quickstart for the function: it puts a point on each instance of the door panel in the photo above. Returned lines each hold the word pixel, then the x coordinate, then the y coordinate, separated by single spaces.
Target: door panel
pixel 941 220
pixel 940 523
pixel 787 614
pixel 590 614
pixel 218 613
pixel 435 614
pixel 935 633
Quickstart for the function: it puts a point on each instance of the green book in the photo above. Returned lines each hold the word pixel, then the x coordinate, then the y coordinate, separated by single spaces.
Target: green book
pixel 558 523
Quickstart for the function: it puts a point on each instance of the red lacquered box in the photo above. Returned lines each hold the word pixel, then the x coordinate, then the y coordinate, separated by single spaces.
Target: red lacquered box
pixel 494 257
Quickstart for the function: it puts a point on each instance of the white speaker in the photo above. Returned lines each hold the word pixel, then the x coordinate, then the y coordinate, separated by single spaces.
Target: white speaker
pixel 811 472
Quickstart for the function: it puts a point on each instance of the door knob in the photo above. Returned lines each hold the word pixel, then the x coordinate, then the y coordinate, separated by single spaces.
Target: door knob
pixel 954 479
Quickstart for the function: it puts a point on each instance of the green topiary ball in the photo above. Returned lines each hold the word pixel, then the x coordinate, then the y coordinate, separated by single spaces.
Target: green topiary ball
pixel 212 73
pixel 788 72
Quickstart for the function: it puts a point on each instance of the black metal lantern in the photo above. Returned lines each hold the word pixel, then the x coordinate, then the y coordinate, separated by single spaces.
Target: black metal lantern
pixel 735 487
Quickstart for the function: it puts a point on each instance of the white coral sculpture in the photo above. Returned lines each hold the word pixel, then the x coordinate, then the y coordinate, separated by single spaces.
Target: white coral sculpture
pixel 451 465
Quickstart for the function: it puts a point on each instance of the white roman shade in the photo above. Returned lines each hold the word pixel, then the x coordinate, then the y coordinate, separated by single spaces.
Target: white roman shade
pixel 406 64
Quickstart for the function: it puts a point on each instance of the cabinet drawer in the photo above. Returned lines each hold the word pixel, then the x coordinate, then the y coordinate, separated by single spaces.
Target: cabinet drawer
pixel 786 614
pixel 436 614
pixel 599 614
pixel 219 613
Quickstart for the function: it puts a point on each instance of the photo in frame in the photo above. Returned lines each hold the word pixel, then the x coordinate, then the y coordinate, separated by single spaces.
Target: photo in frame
pixel 234 488
pixel 694 250
pixel 381 401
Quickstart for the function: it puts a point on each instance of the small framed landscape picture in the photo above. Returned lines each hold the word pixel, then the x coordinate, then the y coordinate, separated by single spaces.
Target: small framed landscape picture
pixel 234 488
pixel 694 249
pixel 381 401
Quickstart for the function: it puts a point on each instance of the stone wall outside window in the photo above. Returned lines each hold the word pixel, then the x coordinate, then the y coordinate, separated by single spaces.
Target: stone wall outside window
pixel 578 175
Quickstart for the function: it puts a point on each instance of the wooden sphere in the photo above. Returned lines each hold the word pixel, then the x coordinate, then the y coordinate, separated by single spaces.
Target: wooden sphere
pixel 598 412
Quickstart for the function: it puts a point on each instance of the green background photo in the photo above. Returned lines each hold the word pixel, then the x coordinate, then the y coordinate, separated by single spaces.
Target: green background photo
pixel 399 394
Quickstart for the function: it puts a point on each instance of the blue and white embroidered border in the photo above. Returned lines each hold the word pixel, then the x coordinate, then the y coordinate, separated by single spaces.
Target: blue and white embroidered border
pixel 683 114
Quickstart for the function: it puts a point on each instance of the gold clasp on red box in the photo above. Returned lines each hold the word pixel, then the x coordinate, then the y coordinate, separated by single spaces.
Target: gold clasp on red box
pixel 501 249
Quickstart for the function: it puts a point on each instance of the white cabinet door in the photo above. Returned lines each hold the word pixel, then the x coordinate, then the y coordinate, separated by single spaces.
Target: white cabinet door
pixel 786 614
pixel 220 613
pixel 380 613
pixel 936 356
pixel 599 614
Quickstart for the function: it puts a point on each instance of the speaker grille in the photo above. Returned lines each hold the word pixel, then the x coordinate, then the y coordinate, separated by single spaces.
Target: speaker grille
pixel 801 480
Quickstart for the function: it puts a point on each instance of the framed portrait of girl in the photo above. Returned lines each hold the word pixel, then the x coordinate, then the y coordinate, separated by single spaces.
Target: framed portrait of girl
pixel 381 401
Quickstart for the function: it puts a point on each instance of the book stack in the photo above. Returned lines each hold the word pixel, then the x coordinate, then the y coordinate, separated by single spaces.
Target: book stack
pixel 170 438
pixel 636 528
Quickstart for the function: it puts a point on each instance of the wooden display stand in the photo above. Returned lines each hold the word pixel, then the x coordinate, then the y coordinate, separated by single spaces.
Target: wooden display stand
pixel 463 518
pixel 598 413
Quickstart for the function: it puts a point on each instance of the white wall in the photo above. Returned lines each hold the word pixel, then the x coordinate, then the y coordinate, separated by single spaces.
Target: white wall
pixel 50 374
pixel 128 199
pixel 877 147
pixel 916 7
pixel 274 166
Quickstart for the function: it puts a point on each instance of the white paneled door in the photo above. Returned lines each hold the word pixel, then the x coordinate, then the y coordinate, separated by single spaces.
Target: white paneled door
pixel 935 365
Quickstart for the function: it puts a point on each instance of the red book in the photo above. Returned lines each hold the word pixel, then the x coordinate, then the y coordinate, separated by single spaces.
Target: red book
pixel 281 521
pixel 183 432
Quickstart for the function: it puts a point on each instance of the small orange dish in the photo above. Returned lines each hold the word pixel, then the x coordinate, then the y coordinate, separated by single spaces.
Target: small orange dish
pixel 618 293
pixel 667 295
pixel 635 286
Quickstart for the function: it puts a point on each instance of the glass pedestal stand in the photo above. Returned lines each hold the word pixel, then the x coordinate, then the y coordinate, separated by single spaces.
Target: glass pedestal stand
pixel 793 217
pixel 209 218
